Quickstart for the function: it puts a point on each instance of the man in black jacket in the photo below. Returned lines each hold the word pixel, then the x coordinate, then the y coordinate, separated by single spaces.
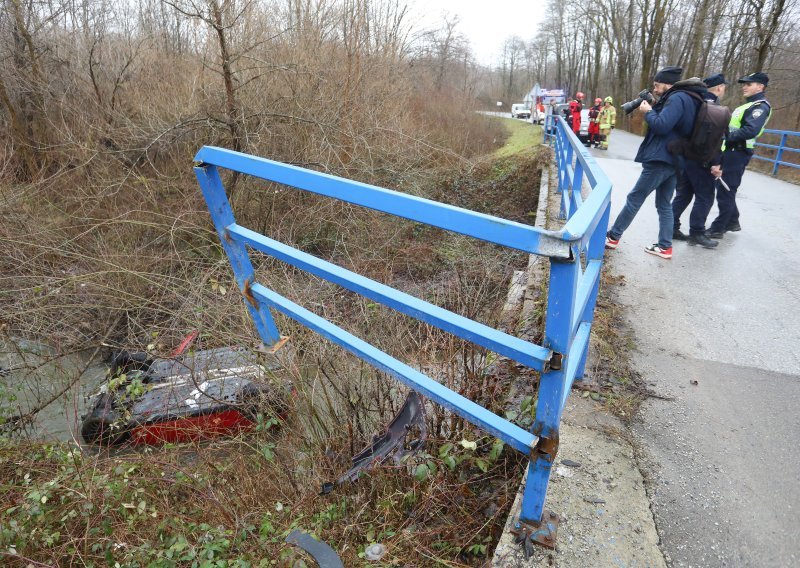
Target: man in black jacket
pixel 697 181
pixel 671 118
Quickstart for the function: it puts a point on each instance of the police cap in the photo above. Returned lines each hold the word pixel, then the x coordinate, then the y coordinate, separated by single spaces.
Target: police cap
pixel 755 78
pixel 715 80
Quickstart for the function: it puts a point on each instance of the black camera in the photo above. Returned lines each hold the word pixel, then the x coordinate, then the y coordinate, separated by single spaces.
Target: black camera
pixel 631 106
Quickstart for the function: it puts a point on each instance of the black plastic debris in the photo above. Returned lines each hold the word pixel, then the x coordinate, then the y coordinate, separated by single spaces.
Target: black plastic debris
pixel 324 555
pixel 389 444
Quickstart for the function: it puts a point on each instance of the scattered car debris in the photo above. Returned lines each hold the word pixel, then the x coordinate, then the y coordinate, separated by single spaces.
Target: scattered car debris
pixel 324 555
pixel 375 551
pixel 594 500
pixel 390 443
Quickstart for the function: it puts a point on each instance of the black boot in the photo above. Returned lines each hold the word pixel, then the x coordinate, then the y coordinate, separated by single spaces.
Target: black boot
pixel 678 235
pixel 702 240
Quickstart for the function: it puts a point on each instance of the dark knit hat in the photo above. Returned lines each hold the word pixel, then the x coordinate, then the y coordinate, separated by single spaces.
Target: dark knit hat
pixel 758 77
pixel 714 80
pixel 668 75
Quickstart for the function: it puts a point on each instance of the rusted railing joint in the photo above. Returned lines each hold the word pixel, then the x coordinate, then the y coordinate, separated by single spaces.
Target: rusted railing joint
pixel 247 292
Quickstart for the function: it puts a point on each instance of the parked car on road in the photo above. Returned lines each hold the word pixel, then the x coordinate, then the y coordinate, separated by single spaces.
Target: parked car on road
pixel 538 114
pixel 520 110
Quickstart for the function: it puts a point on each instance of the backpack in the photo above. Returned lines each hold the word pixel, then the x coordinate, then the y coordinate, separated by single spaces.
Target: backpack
pixel 710 126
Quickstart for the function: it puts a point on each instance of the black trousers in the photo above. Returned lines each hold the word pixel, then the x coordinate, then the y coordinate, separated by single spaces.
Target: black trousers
pixel 734 163
pixel 694 182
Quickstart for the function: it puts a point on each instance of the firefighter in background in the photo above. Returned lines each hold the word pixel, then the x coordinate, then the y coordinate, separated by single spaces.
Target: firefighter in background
pixel 594 123
pixel 607 121
pixel 575 108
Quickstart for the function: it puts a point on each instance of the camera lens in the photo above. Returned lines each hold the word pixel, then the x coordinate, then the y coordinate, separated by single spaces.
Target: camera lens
pixel 631 106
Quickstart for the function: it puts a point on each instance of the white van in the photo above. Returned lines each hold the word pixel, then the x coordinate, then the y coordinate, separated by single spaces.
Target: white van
pixel 520 110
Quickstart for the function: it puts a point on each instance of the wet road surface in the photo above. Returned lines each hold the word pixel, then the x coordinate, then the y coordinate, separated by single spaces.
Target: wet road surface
pixel 719 331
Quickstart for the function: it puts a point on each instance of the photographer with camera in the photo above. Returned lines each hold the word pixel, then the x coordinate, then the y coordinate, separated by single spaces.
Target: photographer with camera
pixel 671 118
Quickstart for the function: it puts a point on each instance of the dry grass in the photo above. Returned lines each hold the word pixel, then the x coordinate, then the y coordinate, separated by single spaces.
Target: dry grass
pixel 144 268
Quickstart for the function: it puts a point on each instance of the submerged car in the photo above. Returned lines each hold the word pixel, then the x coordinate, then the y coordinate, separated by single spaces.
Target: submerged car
pixel 200 395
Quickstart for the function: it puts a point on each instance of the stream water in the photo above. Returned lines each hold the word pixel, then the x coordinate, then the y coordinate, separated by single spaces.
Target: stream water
pixel 33 373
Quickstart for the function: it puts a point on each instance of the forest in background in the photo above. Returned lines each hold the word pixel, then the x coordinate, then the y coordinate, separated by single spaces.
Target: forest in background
pixel 614 47
pixel 339 85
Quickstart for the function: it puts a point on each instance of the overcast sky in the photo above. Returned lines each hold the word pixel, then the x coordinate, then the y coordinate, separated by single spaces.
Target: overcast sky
pixel 486 23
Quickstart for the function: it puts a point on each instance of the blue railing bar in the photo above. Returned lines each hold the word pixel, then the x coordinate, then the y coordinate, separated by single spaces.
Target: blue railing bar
pixel 517 349
pixel 583 223
pixel 585 287
pixel 777 147
pixel 577 197
pixel 510 433
pixel 787 132
pixel 574 358
pixel 791 165
pixel 485 227
pixel 243 271
pixel 590 167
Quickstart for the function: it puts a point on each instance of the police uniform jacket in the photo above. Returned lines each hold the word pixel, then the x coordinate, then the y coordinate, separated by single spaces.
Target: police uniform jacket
pixel 672 117
pixel 753 120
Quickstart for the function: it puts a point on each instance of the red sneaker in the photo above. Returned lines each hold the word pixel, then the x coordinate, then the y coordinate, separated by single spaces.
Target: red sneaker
pixel 658 251
pixel 611 243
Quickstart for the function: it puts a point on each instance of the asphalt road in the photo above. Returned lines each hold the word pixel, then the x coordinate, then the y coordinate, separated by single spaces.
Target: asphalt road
pixel 719 331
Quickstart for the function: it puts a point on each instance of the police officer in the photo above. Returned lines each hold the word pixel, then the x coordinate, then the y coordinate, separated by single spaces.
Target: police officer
pixel 697 181
pixel 747 123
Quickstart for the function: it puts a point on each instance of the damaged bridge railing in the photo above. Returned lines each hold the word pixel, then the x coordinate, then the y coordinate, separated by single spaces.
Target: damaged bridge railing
pixel 573 289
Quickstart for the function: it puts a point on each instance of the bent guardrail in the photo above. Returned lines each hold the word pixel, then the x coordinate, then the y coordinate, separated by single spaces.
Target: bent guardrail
pixel 779 149
pixel 571 299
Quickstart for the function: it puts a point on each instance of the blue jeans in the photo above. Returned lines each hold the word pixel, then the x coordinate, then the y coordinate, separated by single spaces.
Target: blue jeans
pixel 656 176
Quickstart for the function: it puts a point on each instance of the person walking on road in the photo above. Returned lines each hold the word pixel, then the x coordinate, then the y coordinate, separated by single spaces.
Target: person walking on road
pixel 747 123
pixel 670 118
pixel 697 181
pixel 606 121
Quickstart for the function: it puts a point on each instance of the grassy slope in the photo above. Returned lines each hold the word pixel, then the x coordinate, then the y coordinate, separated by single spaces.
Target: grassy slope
pixel 524 136
pixel 175 507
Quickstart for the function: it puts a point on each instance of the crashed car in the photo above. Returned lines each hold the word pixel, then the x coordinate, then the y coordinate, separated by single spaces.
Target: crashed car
pixel 199 395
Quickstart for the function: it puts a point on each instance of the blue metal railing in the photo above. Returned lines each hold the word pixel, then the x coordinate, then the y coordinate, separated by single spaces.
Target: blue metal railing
pixel 779 148
pixel 571 298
